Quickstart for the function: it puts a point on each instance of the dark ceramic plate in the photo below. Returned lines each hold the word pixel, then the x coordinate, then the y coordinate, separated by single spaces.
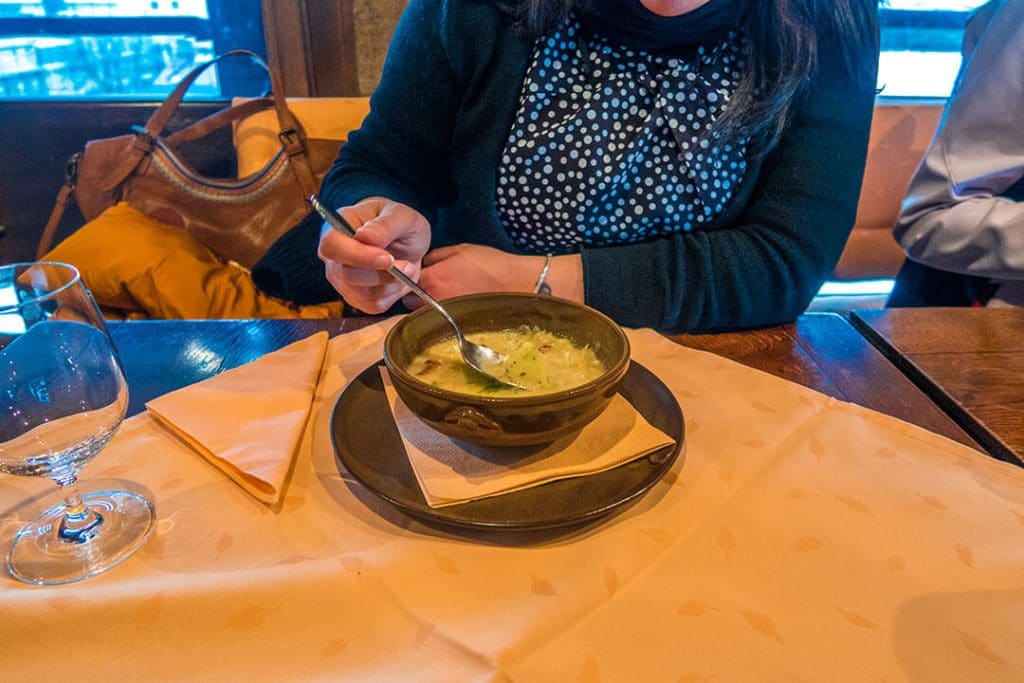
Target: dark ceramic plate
pixel 367 445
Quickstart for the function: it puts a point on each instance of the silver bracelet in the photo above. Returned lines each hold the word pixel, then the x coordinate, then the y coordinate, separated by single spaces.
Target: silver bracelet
pixel 542 287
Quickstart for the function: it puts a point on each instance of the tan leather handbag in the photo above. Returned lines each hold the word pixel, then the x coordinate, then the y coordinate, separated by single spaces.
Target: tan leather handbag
pixel 236 218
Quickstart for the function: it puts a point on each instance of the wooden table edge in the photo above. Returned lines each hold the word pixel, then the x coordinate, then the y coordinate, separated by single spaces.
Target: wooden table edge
pixel 992 444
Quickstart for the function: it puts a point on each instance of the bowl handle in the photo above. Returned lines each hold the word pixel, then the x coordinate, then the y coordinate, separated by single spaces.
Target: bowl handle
pixel 472 422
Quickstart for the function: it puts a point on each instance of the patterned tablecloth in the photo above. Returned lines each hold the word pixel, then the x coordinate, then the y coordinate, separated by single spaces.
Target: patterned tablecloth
pixel 797 538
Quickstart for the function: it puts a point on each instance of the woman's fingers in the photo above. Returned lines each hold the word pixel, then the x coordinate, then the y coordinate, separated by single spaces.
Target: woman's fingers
pixel 371 291
pixel 363 277
pixel 376 297
pixel 334 246
pixel 387 234
pixel 375 300
pixel 402 230
pixel 412 301
pixel 437 279
pixel 382 228
pixel 348 252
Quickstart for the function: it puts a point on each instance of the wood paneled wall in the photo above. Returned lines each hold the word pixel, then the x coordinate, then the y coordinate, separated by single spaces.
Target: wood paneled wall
pixel 375 22
pixel 329 48
pixel 312 45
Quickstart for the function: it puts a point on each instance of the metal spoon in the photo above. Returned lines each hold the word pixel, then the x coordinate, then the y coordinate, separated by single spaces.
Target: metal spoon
pixel 476 356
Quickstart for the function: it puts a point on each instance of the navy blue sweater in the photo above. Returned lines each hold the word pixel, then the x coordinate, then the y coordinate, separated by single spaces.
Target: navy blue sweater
pixel 441 117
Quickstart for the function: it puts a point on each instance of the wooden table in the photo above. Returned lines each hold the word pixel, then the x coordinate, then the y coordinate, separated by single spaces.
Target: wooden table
pixel 970 361
pixel 821 351
pixel 797 538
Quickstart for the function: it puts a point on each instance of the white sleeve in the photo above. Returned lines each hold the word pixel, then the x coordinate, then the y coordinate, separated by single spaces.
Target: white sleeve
pixel 956 216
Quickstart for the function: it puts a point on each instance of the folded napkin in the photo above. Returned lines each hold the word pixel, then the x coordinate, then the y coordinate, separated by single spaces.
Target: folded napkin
pixel 451 472
pixel 248 421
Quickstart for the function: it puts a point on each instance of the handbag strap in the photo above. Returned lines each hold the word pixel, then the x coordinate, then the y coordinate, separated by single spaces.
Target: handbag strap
pixel 204 127
pixel 162 116
pixel 291 133
pixel 293 141
pixel 50 229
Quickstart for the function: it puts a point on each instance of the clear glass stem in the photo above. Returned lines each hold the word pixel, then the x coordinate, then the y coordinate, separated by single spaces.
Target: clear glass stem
pixel 81 523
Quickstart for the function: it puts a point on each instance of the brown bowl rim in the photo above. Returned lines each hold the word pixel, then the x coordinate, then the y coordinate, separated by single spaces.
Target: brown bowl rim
pixel 609 376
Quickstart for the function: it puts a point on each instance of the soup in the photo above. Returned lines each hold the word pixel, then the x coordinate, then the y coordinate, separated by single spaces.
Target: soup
pixel 536 359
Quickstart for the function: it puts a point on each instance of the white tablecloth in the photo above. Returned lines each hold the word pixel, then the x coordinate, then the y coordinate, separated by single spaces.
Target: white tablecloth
pixel 797 538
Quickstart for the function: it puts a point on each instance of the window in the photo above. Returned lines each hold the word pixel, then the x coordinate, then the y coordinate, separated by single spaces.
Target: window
pixel 124 49
pixel 137 49
pixel 921 46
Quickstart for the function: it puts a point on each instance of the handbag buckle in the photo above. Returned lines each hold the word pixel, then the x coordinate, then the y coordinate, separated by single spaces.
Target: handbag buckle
pixel 142 134
pixel 291 141
pixel 71 170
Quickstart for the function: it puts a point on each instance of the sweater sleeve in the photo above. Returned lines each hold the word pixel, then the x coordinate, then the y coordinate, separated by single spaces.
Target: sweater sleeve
pixel 766 267
pixel 956 216
pixel 412 110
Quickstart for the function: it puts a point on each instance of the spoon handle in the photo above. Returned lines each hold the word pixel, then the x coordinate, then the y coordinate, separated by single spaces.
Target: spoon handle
pixel 341 225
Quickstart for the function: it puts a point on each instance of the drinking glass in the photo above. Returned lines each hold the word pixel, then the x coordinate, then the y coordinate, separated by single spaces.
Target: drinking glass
pixel 62 396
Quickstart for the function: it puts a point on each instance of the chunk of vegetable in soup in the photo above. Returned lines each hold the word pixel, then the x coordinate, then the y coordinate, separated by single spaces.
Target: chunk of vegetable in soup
pixel 536 359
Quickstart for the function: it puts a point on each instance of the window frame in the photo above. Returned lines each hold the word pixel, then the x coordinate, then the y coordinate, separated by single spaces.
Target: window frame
pixel 897 23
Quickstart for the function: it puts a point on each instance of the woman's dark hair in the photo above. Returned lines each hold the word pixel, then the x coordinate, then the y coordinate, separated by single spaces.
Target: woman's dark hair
pixel 785 39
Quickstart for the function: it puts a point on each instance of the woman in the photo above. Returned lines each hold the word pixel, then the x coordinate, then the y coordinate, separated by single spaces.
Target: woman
pixel 691 164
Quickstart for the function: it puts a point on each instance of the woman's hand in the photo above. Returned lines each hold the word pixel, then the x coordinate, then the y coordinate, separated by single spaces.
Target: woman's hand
pixel 471 268
pixel 386 232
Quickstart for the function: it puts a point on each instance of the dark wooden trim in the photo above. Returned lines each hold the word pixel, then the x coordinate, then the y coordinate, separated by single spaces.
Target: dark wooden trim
pixel 286 45
pixel 311 44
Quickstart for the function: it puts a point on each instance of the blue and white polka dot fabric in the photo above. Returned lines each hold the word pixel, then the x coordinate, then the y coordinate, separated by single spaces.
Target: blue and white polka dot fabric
pixel 610 145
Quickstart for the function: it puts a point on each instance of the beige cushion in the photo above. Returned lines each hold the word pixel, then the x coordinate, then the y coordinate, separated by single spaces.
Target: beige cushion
pixel 900 133
pixel 328 118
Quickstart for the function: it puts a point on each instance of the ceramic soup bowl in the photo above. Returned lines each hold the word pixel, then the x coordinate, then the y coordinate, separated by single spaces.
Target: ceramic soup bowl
pixel 517 420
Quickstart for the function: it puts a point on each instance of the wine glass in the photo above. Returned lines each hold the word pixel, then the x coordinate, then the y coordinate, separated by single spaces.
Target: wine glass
pixel 62 396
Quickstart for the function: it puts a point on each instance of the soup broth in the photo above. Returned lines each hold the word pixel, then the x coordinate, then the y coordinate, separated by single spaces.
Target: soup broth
pixel 536 359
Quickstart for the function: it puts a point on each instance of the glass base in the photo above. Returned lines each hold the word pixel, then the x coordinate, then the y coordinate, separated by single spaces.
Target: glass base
pixel 40 555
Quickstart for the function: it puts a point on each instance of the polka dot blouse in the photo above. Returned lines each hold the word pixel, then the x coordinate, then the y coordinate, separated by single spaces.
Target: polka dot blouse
pixel 608 145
